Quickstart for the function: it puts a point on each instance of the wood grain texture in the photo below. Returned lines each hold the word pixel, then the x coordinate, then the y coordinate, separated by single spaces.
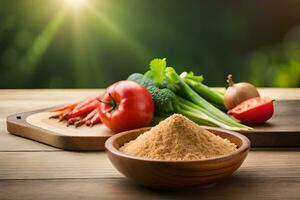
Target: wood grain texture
pixel 283 129
pixel 235 187
pixel 285 119
pixel 265 174
pixel 51 165
pixel 63 164
pixel 12 143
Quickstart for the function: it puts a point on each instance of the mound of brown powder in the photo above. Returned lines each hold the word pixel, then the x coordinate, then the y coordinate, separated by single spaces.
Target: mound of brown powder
pixel 178 138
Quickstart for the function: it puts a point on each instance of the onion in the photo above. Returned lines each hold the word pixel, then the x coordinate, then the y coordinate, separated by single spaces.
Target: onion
pixel 236 93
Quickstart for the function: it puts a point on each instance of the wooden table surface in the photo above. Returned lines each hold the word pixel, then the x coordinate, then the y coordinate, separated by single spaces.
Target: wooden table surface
pixel 30 170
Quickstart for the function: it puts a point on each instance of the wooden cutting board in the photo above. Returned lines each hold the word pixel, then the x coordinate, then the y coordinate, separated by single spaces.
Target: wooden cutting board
pixel 282 130
pixel 37 126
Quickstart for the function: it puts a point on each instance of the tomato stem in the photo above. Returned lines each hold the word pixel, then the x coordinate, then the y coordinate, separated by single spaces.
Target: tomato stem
pixel 113 104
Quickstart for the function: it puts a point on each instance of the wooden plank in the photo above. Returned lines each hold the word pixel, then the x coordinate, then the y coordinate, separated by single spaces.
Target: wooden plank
pixel 235 187
pixel 45 165
pixel 53 165
pixel 9 142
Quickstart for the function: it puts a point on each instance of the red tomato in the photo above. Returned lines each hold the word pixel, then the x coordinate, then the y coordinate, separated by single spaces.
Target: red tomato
pixel 126 105
pixel 254 110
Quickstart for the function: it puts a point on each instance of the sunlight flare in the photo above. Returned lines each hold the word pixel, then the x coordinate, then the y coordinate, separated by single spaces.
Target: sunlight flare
pixel 76 4
pixel 41 43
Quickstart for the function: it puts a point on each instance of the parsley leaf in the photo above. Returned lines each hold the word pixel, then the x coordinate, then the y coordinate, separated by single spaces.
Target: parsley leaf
pixel 157 70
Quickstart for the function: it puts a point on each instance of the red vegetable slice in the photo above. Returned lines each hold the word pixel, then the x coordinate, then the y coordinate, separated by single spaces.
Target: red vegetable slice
pixel 254 110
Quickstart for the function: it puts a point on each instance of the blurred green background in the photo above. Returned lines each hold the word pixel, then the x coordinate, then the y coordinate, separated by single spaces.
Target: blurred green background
pixel 93 43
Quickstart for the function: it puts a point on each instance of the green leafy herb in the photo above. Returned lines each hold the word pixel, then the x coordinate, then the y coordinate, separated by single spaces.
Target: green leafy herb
pixel 156 72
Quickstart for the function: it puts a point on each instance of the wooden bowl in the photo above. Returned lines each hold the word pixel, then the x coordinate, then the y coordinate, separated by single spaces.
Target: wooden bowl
pixel 175 174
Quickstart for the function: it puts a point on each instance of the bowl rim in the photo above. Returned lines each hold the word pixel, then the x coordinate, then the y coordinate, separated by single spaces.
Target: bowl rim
pixel 246 144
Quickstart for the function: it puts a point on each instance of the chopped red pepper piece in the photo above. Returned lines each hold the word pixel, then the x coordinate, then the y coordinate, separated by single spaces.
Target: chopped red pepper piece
pixel 254 110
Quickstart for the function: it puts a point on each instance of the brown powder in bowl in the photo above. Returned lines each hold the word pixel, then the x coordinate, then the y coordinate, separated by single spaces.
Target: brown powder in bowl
pixel 178 138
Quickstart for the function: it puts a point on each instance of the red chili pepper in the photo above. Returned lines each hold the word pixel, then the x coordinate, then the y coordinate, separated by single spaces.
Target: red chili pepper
pixel 66 107
pixel 72 120
pixel 86 102
pixel 254 110
pixel 80 112
pixel 61 114
pixel 87 118
pixel 56 116
pixel 83 111
pixel 91 114
pixel 95 120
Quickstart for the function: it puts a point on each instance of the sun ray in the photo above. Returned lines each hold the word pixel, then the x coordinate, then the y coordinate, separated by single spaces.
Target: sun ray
pixel 84 55
pixel 80 50
pixel 136 47
pixel 41 43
